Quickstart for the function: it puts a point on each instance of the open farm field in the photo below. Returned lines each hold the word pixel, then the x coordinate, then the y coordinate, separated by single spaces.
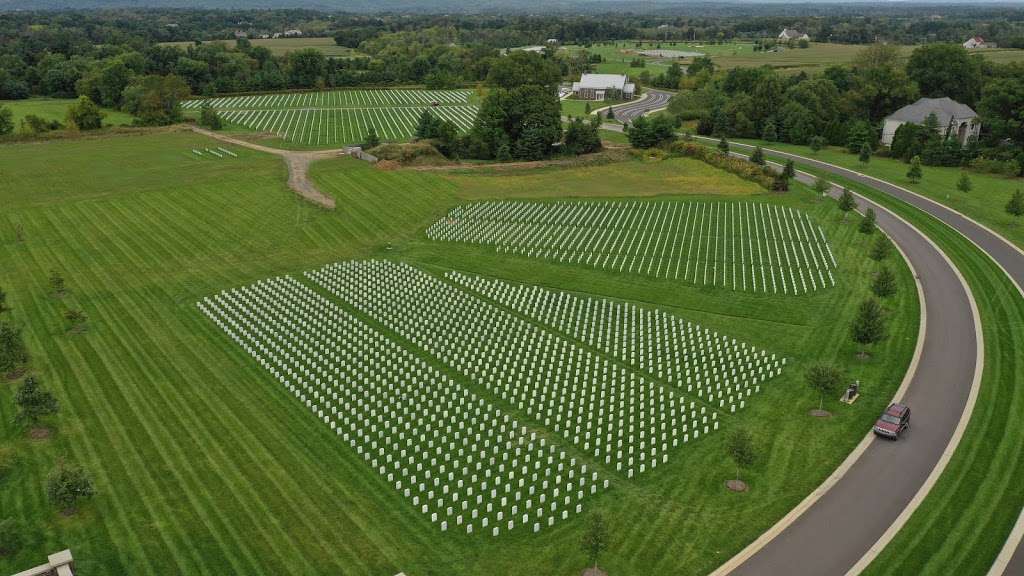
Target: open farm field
pixel 265 387
pixel 281 46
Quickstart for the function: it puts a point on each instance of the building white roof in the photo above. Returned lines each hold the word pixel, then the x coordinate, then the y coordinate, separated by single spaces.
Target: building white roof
pixel 603 82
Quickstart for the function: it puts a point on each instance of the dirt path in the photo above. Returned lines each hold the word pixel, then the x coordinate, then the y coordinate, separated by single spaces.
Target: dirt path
pixel 297 162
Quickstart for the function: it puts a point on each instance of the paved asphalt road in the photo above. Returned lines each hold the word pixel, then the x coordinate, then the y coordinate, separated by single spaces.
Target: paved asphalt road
pixel 835 532
pixel 655 99
pixel 937 404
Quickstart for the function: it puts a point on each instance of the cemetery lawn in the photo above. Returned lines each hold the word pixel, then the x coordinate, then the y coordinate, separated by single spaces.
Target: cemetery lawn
pixel 986 202
pixel 205 464
pixel 57 109
pixel 979 485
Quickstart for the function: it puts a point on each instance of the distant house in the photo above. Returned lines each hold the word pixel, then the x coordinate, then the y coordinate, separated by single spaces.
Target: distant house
pixel 603 86
pixel 952 116
pixel 788 34
pixel 552 40
pixel 240 34
pixel 292 33
pixel 977 42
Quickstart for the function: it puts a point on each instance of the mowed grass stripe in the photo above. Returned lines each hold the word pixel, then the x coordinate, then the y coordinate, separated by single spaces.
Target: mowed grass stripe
pixel 135 402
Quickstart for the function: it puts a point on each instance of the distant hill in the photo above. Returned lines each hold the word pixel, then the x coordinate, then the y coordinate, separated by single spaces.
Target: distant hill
pixel 464 6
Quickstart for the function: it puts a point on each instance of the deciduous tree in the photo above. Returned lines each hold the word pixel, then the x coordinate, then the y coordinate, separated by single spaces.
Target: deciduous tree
pixel 84 114
pixel 823 379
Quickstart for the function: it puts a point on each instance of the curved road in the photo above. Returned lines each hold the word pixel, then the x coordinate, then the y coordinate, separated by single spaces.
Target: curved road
pixel 655 100
pixel 786 554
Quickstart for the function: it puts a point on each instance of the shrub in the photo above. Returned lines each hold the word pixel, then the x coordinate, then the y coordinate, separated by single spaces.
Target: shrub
pixel 764 176
pixel 412 153
pixel 67 486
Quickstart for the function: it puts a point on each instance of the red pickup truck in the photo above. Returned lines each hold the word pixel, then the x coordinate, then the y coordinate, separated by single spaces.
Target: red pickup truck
pixel 893 422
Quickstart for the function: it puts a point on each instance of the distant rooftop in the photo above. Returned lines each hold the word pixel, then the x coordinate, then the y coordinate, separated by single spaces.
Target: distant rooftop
pixel 943 108
pixel 603 81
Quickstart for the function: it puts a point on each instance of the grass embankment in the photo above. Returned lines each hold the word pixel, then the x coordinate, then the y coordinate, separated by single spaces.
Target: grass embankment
pixel 986 202
pixel 57 109
pixel 204 464
pixel 965 519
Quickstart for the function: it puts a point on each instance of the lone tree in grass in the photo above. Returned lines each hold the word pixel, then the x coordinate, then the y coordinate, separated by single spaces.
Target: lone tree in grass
pixel 723 145
pixel 758 156
pixel 847 203
pixel 10 536
pixel 823 379
pixel 789 169
pixel 3 301
pixel 13 354
pixel 884 284
pixel 68 485
pixel 816 143
pixel 821 186
pixel 371 140
pixel 586 108
pixel 1015 207
pixel 741 450
pixel 865 153
pixel 914 173
pixel 595 539
pixel 881 249
pixel 57 284
pixel 964 183
pixel 208 117
pixel 84 114
pixel 610 115
pixel 869 325
pixel 33 403
pixel 867 225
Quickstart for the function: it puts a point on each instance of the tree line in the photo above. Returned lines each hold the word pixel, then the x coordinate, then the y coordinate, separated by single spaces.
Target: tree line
pixel 845 105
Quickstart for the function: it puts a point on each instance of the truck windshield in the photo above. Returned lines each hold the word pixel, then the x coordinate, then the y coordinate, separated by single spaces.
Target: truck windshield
pixel 890 419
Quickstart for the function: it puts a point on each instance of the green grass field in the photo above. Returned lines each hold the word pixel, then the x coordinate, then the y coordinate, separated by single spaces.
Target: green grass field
pixel 281 46
pixel 57 109
pixel 204 464
pixel 986 202
pixel 815 58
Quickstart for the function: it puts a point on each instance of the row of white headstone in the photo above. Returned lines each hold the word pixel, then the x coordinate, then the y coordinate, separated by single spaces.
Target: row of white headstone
pixel 746 246
pixel 607 410
pixel 718 369
pixel 459 460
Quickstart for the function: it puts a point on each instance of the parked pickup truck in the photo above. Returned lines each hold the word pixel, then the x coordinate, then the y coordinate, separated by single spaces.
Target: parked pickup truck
pixel 893 422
